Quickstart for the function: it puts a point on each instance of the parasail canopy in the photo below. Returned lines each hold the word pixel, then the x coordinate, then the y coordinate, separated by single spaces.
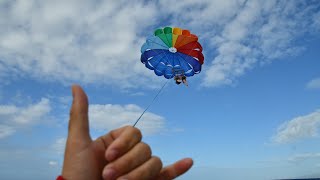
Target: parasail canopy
pixel 171 52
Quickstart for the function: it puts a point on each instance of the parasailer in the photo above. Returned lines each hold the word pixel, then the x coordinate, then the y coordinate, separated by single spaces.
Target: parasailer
pixel 181 78
pixel 173 53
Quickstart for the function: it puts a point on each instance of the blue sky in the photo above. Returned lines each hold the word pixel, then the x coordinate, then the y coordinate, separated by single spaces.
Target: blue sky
pixel 252 113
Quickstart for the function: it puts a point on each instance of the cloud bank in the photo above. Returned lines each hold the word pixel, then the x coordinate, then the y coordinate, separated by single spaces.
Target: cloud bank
pixel 13 117
pixel 314 84
pixel 111 116
pixel 298 128
pixel 99 41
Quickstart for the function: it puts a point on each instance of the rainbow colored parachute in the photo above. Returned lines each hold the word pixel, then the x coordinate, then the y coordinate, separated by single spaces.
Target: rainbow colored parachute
pixel 172 51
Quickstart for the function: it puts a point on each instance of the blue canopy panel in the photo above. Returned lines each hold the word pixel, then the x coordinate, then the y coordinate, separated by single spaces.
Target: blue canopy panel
pixel 191 61
pixel 165 63
pixel 153 42
pixel 148 55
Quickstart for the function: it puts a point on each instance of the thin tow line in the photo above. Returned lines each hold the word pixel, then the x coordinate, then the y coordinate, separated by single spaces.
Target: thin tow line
pixel 151 103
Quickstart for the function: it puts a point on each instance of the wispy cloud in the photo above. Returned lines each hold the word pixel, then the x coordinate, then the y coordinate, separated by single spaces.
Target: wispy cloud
pixel 111 116
pixel 316 21
pixel 314 84
pixel 59 145
pixel 302 157
pixel 13 117
pixel 260 32
pixel 6 130
pixel 53 163
pixel 301 127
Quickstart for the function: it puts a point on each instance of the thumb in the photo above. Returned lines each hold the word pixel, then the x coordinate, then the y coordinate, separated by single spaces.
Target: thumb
pixel 78 122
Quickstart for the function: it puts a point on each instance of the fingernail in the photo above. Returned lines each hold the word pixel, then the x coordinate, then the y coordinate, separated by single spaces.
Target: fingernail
pixel 109 174
pixel 112 155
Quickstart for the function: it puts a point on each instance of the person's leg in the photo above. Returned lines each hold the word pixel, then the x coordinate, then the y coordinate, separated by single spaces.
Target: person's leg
pixel 185 81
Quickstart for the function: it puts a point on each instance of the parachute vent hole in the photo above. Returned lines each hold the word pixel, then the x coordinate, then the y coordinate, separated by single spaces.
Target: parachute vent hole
pixel 173 49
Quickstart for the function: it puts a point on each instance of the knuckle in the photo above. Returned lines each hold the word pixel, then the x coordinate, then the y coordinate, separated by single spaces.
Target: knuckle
pixel 104 142
pixel 123 144
pixel 127 127
pixel 113 134
pixel 146 148
pixel 157 160
pixel 136 133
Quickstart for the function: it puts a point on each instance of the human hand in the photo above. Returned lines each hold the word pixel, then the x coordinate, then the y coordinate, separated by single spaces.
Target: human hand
pixel 120 154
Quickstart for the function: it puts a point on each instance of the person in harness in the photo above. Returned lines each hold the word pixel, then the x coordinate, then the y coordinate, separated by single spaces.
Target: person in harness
pixel 178 79
pixel 181 78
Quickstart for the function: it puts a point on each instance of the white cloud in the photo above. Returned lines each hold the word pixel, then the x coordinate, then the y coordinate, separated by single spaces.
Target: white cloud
pixel 53 163
pixel 298 128
pixel 261 31
pixel 85 41
pixel 316 19
pixel 243 34
pixel 302 157
pixel 314 84
pixel 24 115
pixel 6 131
pixel 110 116
pixel 99 41
pixel 201 14
pixel 13 117
pixel 59 145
